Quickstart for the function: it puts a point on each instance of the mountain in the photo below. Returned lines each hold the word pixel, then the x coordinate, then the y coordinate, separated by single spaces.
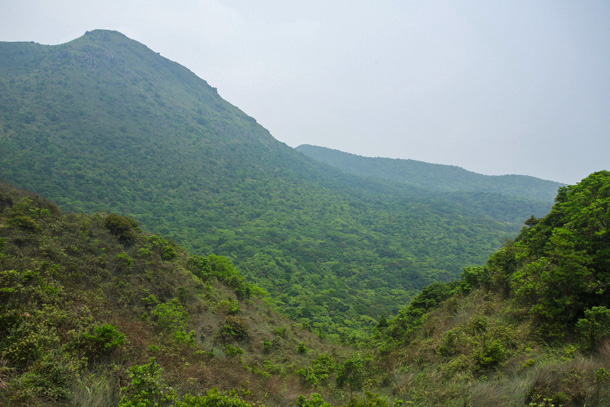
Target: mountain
pixel 507 198
pixel 103 123
pixel 436 177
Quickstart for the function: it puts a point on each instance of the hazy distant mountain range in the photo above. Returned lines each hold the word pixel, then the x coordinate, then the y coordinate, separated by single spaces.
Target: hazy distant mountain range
pixel 437 177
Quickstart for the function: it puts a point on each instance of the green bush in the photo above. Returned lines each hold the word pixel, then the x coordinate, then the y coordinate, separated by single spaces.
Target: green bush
pixel 369 400
pixel 233 351
pixel 213 398
pixel 147 387
pixel 319 370
pixel 124 261
pixel 301 348
pixel 448 346
pixel 354 372
pixel 173 318
pixel 164 247
pixel 315 400
pixel 235 329
pixel 23 222
pixel 104 339
pixel 490 354
pixel 594 326
pixel 473 277
pixel 267 346
pixel 124 228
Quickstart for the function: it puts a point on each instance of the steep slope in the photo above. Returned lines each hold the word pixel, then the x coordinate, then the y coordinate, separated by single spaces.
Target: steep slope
pixel 436 177
pixel 104 124
pixel 530 328
pixel 87 300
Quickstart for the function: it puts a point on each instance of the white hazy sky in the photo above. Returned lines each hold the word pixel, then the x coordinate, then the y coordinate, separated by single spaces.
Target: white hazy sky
pixel 496 87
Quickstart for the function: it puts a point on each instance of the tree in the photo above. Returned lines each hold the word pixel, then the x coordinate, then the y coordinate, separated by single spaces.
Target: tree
pixel 594 326
pixel 353 373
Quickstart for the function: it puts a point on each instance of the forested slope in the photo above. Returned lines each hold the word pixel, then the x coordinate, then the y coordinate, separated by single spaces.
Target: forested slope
pixel 437 177
pixel 102 123
pixel 95 312
pixel 531 327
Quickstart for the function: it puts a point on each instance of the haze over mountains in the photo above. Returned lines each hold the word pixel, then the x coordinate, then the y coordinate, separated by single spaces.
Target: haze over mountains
pixel 102 123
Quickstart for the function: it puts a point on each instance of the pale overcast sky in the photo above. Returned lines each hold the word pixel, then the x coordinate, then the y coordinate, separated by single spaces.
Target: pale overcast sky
pixel 496 87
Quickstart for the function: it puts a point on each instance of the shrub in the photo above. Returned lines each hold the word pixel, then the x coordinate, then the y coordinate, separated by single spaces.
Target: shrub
pixel 124 228
pixel 104 339
pixel 473 277
pixel 124 261
pixel 147 387
pixel 235 329
pixel 491 354
pixel 229 306
pixel 353 373
pixel 23 222
pixel 267 346
pixel 315 400
pixel 49 377
pixel 449 344
pixel 213 398
pixel 319 370
pixel 223 269
pixel 301 348
pixel 164 247
pixel 233 351
pixel 369 400
pixel 594 326
pixel 280 332
pixel 199 266
pixel 172 317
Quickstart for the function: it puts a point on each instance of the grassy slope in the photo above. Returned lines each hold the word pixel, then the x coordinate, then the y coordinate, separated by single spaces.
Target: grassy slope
pixel 81 301
pixel 530 328
pixel 104 124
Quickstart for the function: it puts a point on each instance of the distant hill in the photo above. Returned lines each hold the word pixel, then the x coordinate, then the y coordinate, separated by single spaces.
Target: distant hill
pixel 436 177
pixel 103 123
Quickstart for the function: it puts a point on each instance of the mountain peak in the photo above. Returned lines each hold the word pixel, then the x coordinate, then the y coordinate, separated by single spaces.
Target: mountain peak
pixel 104 39
pixel 110 40
pixel 106 35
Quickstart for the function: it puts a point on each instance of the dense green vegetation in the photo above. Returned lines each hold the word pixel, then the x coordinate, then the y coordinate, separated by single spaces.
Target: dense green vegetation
pixel 437 177
pixel 531 327
pixel 95 312
pixel 104 124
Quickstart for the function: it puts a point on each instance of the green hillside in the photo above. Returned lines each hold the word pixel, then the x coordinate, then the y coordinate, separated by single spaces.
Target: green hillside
pixel 87 302
pixel 436 177
pixel 530 328
pixel 95 312
pixel 102 123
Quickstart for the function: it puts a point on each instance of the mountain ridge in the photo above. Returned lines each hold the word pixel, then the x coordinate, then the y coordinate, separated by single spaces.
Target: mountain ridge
pixel 441 177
